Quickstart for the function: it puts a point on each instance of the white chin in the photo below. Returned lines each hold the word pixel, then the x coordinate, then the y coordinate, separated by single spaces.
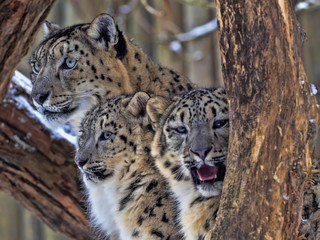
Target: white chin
pixel 75 117
pixel 53 123
pixel 213 190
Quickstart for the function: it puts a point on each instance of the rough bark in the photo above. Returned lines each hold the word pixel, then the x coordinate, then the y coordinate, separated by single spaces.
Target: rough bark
pixel 19 22
pixel 274 118
pixel 38 169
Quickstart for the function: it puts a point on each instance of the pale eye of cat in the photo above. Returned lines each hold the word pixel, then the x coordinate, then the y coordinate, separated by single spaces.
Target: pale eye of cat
pixel 69 63
pixel 105 136
pixel 36 67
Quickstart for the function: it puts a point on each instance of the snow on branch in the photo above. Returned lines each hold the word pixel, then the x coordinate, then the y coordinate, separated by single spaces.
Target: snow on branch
pixel 23 102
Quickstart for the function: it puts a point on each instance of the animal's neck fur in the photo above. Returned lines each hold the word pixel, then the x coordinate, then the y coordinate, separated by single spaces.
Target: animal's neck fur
pixel 147 75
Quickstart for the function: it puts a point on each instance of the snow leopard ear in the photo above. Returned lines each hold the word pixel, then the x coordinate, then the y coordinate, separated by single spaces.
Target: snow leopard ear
pixel 137 104
pixel 49 28
pixel 103 31
pixel 156 107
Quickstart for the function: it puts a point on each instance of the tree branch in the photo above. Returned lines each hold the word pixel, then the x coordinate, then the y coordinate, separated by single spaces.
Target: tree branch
pixel 38 169
pixel 19 22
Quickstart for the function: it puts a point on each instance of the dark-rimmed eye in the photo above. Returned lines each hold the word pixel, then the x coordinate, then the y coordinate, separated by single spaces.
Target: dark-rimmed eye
pixel 36 67
pixel 69 63
pixel 181 129
pixel 105 136
pixel 220 123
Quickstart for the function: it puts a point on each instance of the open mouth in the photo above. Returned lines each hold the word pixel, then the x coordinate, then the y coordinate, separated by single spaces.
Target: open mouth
pixel 207 174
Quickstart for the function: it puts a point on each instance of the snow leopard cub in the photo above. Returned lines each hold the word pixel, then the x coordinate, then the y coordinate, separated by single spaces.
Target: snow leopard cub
pixel 190 147
pixel 128 197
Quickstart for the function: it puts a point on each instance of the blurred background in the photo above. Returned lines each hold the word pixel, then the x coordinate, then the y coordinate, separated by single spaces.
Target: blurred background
pixel 180 34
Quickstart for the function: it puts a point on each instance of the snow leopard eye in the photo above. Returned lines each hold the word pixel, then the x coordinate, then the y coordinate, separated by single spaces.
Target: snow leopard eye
pixel 181 129
pixel 219 123
pixel 36 67
pixel 105 136
pixel 69 63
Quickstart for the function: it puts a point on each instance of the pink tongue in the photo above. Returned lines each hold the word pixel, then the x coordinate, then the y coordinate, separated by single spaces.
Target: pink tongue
pixel 207 172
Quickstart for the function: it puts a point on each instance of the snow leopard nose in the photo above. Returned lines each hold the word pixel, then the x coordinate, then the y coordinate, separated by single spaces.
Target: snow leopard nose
pixel 40 98
pixel 201 152
pixel 81 162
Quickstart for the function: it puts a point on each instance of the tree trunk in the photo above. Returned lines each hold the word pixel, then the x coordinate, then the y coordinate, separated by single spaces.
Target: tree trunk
pixel 19 22
pixel 274 118
pixel 38 169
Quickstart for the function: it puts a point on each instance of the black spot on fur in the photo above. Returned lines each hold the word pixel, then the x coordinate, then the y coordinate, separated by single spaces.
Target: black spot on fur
pixel 147 150
pixel 138 57
pixel 76 47
pixel 200 237
pixel 182 116
pixel 167 164
pixel 140 220
pixel 102 76
pixel 134 69
pixel 123 138
pixel 109 79
pixel 133 187
pixel 181 88
pixel 93 69
pixel 175 169
pixel 157 233
pixel 214 112
pixel 135 233
pixel 159 202
pixel 121 46
pixel 197 200
pixel 152 185
pixel 206 225
pixel 164 218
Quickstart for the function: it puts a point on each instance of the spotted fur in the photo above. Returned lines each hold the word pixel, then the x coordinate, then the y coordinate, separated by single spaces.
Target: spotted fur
pixel 129 198
pixel 75 66
pixel 190 147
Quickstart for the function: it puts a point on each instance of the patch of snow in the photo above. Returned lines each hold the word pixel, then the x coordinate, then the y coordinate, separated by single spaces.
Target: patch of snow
pixel 285 197
pixel 302 5
pixel 29 135
pixel 62 133
pixel 125 9
pixel 198 31
pixel 317 105
pixel 314 89
pixel 22 144
pixel 311 120
pixel 22 120
pixel 175 46
pixel 302 82
pixel 22 81
pixel 197 55
pixel 23 103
